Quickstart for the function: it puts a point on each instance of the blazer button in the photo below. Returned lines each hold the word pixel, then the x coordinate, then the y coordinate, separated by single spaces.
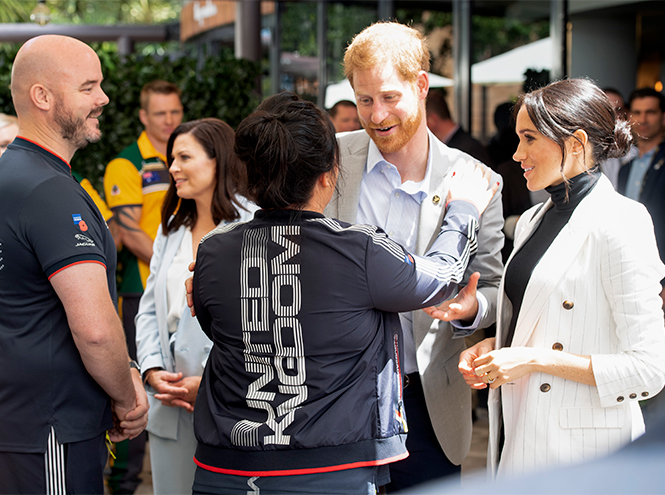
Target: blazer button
pixel 436 199
pixel 545 387
pixel 632 396
pixel 557 346
pixel 620 398
pixel 568 305
pixel 645 394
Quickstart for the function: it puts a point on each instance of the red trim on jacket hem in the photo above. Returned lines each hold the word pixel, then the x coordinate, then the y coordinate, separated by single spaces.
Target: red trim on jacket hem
pixel 296 472
pixel 77 263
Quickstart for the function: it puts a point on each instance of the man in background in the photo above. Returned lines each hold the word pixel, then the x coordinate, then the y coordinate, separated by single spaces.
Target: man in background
pixel 643 179
pixel 67 376
pixel 611 166
pixel 344 116
pixel 8 130
pixel 448 131
pixel 135 183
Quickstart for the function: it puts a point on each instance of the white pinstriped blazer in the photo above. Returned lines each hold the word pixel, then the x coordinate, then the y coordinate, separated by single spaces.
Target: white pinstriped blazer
pixel 605 262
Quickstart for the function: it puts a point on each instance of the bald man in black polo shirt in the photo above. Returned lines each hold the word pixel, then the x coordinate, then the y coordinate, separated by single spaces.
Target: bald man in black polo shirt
pixel 67 376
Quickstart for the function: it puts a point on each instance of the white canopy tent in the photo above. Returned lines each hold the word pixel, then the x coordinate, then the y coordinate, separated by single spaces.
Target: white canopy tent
pixel 343 90
pixel 510 67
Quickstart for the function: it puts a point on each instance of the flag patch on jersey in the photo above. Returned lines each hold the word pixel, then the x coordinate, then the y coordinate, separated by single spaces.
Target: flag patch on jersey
pixel 150 177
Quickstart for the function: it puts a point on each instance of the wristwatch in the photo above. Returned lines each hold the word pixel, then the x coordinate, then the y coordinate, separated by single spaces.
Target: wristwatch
pixel 135 365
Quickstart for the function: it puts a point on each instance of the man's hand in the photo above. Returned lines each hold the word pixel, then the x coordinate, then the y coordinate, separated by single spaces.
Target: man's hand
pixel 464 306
pixel 99 337
pixel 189 288
pixel 131 420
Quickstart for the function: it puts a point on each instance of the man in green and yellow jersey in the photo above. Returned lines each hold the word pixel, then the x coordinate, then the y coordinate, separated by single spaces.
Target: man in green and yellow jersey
pixel 135 183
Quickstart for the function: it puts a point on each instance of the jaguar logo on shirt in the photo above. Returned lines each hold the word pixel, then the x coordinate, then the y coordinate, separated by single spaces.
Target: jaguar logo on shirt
pixel 83 240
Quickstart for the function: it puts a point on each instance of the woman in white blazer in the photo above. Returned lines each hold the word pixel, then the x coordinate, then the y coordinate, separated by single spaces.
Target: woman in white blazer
pixel 580 335
pixel 172 349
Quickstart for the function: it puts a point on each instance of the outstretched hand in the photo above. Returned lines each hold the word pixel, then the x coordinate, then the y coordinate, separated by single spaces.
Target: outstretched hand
pixel 464 306
pixel 473 185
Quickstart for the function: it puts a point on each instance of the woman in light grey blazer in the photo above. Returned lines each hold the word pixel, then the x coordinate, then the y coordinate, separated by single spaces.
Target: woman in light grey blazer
pixel 580 333
pixel 172 350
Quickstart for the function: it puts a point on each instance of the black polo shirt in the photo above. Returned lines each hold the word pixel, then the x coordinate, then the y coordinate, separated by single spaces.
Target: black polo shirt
pixel 47 223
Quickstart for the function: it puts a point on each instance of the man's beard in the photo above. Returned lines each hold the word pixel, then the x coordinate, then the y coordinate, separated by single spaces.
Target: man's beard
pixel 75 130
pixel 396 141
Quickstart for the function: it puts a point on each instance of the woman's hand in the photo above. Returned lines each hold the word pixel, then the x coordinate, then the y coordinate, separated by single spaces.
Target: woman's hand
pixel 166 386
pixel 472 185
pixel 187 402
pixel 506 365
pixel 189 288
pixel 467 359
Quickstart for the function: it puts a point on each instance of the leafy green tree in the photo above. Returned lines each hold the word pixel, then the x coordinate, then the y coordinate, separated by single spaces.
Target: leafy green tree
pixel 491 36
pixel 15 11
pixel 495 35
pixel 344 22
pixel 221 86
pixel 95 11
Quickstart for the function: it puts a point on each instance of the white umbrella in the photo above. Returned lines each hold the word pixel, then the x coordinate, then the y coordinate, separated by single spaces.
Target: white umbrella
pixel 510 67
pixel 343 90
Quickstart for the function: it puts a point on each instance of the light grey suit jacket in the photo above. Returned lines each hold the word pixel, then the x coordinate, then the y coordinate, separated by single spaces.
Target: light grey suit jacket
pixel 185 351
pixel 447 395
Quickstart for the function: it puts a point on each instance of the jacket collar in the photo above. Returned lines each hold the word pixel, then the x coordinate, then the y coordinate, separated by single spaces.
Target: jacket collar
pixel 558 258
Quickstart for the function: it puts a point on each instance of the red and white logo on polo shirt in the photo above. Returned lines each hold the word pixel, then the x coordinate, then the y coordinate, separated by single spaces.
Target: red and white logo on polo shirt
pixel 80 222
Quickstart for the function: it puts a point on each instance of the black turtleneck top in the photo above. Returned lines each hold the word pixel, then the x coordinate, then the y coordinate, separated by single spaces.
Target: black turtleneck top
pixel 520 268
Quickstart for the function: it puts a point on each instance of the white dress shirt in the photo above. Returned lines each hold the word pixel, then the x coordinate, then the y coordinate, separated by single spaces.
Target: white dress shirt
pixel 637 173
pixel 395 207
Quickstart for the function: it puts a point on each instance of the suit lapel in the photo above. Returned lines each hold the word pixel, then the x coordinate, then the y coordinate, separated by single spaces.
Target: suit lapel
pixel 353 157
pixel 504 306
pixel 433 206
pixel 650 178
pixel 161 303
pixel 556 261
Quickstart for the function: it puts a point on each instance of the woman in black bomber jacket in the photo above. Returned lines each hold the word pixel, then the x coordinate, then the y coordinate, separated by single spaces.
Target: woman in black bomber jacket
pixel 302 389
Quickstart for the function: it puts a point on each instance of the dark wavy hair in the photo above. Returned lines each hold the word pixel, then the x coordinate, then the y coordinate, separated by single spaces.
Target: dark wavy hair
pixel 647 93
pixel 216 138
pixel 563 107
pixel 286 145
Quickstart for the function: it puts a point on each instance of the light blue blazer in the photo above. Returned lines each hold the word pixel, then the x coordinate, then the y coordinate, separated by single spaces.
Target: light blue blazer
pixel 186 350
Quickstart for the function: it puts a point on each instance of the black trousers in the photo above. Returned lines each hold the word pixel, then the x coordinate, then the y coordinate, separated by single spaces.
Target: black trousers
pixel 82 464
pixel 426 459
